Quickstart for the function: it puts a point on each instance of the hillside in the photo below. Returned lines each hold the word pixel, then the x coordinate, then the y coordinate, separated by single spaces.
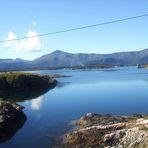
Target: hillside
pixel 60 59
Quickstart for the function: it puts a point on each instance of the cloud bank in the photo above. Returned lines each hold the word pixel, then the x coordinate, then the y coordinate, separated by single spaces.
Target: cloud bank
pixel 32 44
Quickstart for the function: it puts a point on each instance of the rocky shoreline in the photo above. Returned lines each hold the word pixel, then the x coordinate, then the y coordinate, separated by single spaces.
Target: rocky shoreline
pixel 107 131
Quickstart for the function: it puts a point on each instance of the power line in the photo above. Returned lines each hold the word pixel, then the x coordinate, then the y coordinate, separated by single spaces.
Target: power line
pixel 79 28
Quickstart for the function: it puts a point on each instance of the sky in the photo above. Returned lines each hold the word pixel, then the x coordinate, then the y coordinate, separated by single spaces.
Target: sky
pixel 20 18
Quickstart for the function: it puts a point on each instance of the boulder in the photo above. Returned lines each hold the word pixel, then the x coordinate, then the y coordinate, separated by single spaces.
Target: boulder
pixel 12 118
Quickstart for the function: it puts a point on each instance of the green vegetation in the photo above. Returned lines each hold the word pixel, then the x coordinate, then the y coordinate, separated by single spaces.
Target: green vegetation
pixel 23 81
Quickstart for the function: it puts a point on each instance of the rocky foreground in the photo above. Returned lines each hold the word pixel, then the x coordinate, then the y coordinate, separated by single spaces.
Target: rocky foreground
pixel 12 118
pixel 106 131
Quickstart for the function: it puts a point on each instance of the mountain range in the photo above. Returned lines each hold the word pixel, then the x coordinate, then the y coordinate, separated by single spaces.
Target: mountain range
pixel 61 59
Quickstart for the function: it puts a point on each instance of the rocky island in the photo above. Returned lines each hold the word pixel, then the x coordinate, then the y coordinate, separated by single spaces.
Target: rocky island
pixel 107 131
pixel 18 81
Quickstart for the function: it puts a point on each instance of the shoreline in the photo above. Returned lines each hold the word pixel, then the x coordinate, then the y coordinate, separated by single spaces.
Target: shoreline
pixel 107 131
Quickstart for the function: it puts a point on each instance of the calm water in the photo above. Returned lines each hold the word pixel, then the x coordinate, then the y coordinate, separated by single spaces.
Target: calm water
pixel 114 91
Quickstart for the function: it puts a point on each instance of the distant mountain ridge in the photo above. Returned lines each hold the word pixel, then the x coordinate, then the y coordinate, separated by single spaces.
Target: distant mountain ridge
pixel 60 58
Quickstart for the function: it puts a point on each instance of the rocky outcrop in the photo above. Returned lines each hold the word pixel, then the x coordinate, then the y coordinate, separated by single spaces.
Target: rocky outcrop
pixel 19 81
pixel 12 118
pixel 106 131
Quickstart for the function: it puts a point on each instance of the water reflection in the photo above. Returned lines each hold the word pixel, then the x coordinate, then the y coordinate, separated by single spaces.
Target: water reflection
pixel 62 84
pixel 12 118
pixel 37 103
pixel 19 96
pixel 116 92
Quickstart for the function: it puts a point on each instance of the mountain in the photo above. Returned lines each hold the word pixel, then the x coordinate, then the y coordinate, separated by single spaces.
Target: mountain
pixel 12 64
pixel 60 58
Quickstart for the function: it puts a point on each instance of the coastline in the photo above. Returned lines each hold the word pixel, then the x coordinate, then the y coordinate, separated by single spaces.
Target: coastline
pixel 108 131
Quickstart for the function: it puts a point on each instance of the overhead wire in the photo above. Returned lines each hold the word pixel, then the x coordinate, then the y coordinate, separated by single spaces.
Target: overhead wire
pixel 78 28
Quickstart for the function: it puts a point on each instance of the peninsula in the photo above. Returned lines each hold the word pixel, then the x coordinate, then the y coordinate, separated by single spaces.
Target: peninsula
pixel 18 81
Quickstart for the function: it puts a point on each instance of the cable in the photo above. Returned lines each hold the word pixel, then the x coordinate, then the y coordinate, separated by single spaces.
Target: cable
pixel 78 28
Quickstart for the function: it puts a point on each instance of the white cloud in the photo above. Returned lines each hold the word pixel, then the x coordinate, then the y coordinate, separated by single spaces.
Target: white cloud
pixel 11 36
pixel 29 45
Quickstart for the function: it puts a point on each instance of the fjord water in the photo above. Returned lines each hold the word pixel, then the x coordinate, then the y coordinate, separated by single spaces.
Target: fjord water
pixel 119 91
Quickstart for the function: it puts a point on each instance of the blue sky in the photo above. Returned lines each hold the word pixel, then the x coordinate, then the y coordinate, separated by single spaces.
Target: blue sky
pixel 32 17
